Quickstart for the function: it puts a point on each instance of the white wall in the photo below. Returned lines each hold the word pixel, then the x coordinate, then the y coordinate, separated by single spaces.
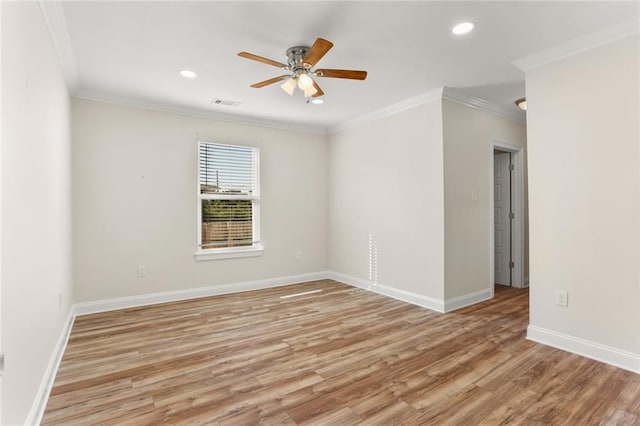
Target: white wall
pixel 36 205
pixel 584 194
pixel 135 176
pixel 386 181
pixel 468 137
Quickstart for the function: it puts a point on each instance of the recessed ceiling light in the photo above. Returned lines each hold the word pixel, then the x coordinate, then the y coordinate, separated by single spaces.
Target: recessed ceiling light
pixel 317 101
pixel 522 103
pixel 463 28
pixel 188 74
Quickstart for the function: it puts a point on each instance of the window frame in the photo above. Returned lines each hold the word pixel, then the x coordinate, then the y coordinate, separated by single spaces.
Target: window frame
pixel 256 249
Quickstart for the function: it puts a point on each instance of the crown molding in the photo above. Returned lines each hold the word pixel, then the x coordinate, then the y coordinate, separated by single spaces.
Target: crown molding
pixel 198 113
pixel 57 26
pixel 433 95
pixel 413 102
pixel 54 18
pixel 481 104
pixel 579 44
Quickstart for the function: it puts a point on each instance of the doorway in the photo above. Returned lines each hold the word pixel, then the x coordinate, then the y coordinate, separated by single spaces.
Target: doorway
pixel 502 218
pixel 507 215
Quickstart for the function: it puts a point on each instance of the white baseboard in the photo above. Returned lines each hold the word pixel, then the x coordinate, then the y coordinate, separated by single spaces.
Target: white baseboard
pixel 414 298
pixel 616 357
pixel 40 402
pixel 467 299
pixel 403 295
pixel 173 296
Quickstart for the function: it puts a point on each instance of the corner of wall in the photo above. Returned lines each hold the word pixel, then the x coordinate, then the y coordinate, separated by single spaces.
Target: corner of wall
pixel 42 396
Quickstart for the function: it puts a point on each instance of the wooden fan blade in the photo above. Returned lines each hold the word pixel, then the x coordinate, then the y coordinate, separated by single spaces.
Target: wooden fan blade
pixel 351 74
pixel 319 90
pixel 270 81
pixel 318 50
pixel 261 59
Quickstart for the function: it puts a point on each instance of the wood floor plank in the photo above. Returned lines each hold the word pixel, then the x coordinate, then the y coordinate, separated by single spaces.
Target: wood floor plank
pixel 337 357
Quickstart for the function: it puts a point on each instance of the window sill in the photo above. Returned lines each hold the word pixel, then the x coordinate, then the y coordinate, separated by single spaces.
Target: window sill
pixel 229 253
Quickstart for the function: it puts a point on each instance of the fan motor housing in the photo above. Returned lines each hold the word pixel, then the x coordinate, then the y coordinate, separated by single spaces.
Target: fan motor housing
pixel 295 55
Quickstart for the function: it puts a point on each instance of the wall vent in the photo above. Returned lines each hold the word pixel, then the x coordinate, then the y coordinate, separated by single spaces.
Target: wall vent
pixel 225 102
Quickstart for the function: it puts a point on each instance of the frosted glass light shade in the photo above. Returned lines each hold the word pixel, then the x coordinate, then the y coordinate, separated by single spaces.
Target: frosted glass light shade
pixel 289 86
pixel 305 82
pixel 310 91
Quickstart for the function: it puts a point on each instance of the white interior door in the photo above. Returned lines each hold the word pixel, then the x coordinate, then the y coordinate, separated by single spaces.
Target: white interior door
pixel 502 225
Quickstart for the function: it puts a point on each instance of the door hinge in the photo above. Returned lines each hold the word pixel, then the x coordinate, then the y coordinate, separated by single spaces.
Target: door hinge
pixel 511 167
pixel 512 265
pixel 512 215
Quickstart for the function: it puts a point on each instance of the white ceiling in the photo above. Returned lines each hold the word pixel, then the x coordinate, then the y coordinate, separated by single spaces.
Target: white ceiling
pixel 132 51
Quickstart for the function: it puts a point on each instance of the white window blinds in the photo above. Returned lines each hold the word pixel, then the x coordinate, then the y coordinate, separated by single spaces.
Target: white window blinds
pixel 228 196
pixel 227 169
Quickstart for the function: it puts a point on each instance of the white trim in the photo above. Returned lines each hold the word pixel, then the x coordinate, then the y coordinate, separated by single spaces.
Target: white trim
pixel 424 98
pixel 225 196
pixel 467 300
pixel 607 354
pixel 40 401
pixel 395 293
pixel 197 112
pixel 517 196
pixel 42 397
pixel 437 305
pixel 433 95
pixel 513 114
pixel 59 32
pixel 229 253
pixel 172 296
pixel 54 18
pixel 579 44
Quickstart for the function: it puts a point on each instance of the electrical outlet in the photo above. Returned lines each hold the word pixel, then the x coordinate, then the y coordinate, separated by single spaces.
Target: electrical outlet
pixel 298 254
pixel 562 298
pixel 60 300
pixel 142 271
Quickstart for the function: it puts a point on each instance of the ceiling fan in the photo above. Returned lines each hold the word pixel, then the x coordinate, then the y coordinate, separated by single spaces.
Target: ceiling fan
pixel 300 63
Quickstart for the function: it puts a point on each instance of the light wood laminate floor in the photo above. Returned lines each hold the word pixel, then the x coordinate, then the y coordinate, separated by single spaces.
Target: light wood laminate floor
pixel 338 357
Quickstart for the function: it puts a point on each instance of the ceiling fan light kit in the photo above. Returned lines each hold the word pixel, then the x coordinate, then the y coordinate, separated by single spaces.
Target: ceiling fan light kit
pixel 300 63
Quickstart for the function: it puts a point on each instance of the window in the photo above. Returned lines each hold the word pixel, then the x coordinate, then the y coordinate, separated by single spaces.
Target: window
pixel 228 201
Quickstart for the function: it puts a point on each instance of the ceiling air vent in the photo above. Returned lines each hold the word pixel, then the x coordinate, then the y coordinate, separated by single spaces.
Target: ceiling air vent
pixel 225 102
